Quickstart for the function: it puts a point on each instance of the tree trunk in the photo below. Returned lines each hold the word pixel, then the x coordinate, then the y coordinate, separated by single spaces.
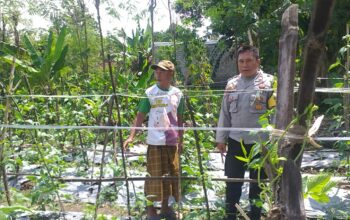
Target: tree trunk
pixel 318 27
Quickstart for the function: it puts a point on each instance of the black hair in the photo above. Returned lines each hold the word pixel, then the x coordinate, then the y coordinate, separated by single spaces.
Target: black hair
pixel 245 48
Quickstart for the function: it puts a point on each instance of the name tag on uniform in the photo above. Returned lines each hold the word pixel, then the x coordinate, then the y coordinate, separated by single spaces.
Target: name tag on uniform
pixel 258 106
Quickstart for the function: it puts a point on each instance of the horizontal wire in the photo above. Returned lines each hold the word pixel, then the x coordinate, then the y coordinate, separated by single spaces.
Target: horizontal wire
pixel 203 85
pixel 139 178
pixel 202 93
pixel 75 127
pixel 103 127
pixel 142 178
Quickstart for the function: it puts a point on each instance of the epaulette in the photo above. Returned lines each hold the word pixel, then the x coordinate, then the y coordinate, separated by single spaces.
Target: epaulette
pixel 264 80
pixel 232 83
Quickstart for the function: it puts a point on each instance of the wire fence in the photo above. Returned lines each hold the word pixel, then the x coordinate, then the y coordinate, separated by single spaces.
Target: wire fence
pixel 125 155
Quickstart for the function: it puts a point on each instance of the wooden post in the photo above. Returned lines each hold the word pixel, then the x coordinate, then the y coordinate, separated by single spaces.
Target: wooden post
pixel 290 202
pixel 286 67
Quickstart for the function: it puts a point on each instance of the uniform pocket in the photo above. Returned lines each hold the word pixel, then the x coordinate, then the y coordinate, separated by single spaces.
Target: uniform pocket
pixel 257 104
pixel 233 99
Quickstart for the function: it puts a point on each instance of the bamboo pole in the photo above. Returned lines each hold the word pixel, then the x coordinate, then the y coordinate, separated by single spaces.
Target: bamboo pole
pixel 119 131
pixel 347 95
pixel 172 28
pixel 97 6
pixel 110 107
pixel 346 81
pixel 153 4
pixel 4 133
pixel 199 155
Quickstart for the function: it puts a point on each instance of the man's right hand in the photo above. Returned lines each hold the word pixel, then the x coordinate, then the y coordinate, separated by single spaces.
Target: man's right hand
pixel 126 143
pixel 221 147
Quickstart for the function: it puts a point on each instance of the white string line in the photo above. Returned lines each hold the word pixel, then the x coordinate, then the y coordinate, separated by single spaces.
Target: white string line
pixel 225 82
pixel 319 90
pixel 73 127
pixel 129 95
pixel 103 127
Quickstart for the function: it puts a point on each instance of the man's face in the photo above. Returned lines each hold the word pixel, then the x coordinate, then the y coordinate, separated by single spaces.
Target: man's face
pixel 163 77
pixel 248 64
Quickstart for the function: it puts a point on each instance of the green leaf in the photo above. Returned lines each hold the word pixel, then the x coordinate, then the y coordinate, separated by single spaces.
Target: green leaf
pixel 19 63
pixel 37 60
pixel 142 83
pixel 255 150
pixel 59 44
pixel 329 186
pixel 11 209
pixel 339 85
pixel 49 45
pixel 3 215
pixel 318 186
pixel 59 64
pixel 243 149
pixel 321 198
pixel 316 183
pixel 244 159
pixel 89 102
pixel 334 65
pixel 6 48
pixel 282 158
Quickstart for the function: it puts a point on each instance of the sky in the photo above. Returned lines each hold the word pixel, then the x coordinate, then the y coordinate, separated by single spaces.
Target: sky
pixel 126 21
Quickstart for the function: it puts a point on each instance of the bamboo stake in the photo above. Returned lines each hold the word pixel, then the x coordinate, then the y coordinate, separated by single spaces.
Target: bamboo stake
pixel 199 156
pixel 346 85
pixel 4 133
pixel 346 82
pixel 97 6
pixel 110 107
pixel 172 28
pixel 119 131
pixel 152 6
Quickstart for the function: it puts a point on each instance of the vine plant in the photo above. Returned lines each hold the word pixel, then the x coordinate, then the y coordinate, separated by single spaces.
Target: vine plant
pixel 316 187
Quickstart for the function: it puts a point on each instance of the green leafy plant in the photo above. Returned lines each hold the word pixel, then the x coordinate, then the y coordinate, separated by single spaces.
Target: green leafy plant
pixel 318 186
pixel 6 212
pixel 52 61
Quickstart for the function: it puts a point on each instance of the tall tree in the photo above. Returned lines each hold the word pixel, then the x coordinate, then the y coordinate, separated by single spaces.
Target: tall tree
pixel 236 20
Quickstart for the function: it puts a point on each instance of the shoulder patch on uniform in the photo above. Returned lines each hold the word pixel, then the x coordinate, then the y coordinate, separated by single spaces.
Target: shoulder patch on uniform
pixel 232 83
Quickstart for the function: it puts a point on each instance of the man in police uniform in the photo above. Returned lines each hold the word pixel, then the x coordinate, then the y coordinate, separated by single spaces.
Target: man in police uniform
pixel 247 97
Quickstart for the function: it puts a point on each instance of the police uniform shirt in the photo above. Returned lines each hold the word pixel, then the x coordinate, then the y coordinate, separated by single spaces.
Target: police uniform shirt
pixel 244 101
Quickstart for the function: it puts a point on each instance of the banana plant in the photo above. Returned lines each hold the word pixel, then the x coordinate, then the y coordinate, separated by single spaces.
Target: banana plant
pixel 49 64
pixel 8 52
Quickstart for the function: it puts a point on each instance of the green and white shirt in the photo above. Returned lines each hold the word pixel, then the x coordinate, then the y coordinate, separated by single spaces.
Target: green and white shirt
pixel 163 107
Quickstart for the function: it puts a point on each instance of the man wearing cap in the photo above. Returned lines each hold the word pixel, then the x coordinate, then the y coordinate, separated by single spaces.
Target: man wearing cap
pixel 165 105
pixel 247 97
